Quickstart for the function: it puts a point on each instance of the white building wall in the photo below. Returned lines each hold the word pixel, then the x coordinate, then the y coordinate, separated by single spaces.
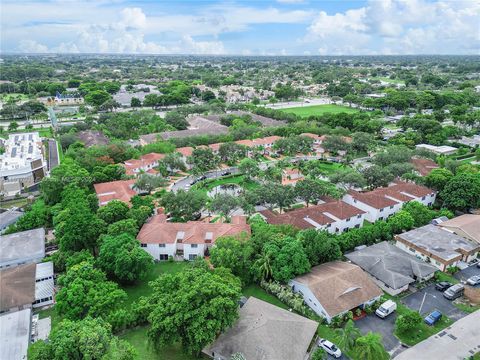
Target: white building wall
pixel 310 299
pixel 440 265
pixel 371 215
pixel 188 250
pixel 155 250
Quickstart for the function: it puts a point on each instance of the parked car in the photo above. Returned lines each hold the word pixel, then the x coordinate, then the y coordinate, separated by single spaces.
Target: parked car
pixel 454 292
pixel 386 309
pixel 474 280
pixel 226 173
pixel 200 178
pixel 433 317
pixel 478 264
pixel 443 285
pixel 330 348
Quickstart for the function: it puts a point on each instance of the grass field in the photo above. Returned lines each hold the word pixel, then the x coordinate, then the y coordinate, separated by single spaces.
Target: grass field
pixel 237 179
pixel 391 81
pixel 306 111
pixel 136 291
pixel 256 291
pixel 329 168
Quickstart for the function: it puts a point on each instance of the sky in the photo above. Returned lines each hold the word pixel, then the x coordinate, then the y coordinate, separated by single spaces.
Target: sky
pixel 274 27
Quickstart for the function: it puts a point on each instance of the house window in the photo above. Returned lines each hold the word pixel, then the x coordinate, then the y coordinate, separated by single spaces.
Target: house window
pixel 423 197
pixel 411 249
pixel 359 216
pixel 348 219
pixel 163 257
pixel 381 210
pixel 161 245
pixel 391 207
pixel 380 218
pixel 329 225
pixel 194 246
pixel 143 245
pixel 192 256
pixel 357 226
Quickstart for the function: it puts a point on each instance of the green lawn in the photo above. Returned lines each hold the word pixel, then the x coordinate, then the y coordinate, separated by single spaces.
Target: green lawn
pixel 237 179
pixel 138 339
pixel 387 79
pixel 330 167
pixel 136 291
pixel 467 308
pixel 306 111
pixel 256 291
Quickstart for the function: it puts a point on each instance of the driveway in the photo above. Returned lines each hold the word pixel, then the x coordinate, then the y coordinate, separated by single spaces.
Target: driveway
pixel 429 299
pixel 386 327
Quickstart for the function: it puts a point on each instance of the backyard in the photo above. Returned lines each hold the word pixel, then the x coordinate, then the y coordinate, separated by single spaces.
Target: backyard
pixel 306 111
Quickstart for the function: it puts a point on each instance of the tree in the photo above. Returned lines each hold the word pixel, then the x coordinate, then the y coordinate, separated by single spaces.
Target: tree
pixel 140 214
pixel 177 120
pixel 122 257
pixel 192 307
pixel 348 335
pixel 311 191
pixel 85 291
pixel 135 102
pixel 249 168
pixel 408 321
pixel 13 126
pixel 224 204
pixel 97 97
pixel 420 213
pixel 287 259
pixel 173 162
pixel 37 216
pixel 438 178
pixel 235 254
pixel 112 212
pixel 319 354
pixel 319 246
pixel 128 226
pixel 120 350
pixel 334 144
pixel 202 160
pixel 230 152
pixel 462 192
pixel 370 347
pixel 183 206
pixel 401 221
pixel 362 141
pixel 147 183
pixel 377 176
pixel 348 178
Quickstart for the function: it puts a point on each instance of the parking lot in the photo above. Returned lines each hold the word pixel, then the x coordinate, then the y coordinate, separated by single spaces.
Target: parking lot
pixel 386 327
pixel 467 273
pixel 429 299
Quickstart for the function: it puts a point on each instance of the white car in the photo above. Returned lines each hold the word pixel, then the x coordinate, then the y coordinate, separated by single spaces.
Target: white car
pixel 330 348
pixel 474 280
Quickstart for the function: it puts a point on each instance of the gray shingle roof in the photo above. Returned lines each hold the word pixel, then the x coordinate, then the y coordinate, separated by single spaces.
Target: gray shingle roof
pixel 265 331
pixel 391 265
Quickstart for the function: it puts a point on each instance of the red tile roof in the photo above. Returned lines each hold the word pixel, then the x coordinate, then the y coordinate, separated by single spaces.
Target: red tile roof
pixel 314 136
pixel 185 151
pixel 384 197
pixel 159 231
pixel 132 166
pixel 423 166
pixel 322 214
pixel 266 140
pixel 115 190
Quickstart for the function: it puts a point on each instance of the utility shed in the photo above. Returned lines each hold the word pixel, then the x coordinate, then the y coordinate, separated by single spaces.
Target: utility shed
pixel 15 334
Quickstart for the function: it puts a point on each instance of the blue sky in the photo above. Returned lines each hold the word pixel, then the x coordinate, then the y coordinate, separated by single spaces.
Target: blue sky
pixel 276 27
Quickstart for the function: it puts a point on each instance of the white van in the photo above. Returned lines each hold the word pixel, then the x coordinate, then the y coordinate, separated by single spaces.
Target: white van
pixel 386 309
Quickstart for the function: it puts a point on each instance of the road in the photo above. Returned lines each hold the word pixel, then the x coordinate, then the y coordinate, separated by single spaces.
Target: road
pixel 53 159
pixel 185 183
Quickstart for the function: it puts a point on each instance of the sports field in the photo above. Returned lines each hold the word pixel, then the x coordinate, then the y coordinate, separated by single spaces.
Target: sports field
pixel 306 111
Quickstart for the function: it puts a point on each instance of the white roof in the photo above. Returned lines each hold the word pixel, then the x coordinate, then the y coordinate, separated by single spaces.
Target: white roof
pixel 44 270
pixel 20 150
pixel 15 334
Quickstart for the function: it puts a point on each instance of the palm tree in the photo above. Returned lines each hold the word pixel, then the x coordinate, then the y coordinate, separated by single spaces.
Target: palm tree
pixel 265 266
pixel 348 335
pixel 370 347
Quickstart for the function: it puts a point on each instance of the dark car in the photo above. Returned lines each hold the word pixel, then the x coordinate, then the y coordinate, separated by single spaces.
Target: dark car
pixel 203 177
pixel 442 286
pixel 433 317
pixel 225 173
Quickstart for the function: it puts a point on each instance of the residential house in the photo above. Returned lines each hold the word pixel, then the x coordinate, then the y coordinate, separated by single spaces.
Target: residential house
pixel 291 176
pixel 266 144
pixel 334 288
pixel 423 166
pixel 381 203
pixel 121 190
pixel 163 239
pixel 332 216
pixel 391 268
pixel 185 152
pixel 147 163
pixel 264 331
pixel 437 246
pixel 439 150
pixel 467 226
pixel 23 247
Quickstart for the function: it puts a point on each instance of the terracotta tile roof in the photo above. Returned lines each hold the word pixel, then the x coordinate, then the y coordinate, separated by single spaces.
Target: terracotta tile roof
pixel 423 166
pixel 115 190
pixel 185 151
pixel 348 286
pixel 215 147
pixel 291 176
pixel 247 143
pixel 159 231
pixel 314 136
pixel 133 166
pixel 384 197
pixel 266 140
pixel 322 214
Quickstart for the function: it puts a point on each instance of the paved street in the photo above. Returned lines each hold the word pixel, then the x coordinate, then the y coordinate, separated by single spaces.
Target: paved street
pixel 464 274
pixel 53 159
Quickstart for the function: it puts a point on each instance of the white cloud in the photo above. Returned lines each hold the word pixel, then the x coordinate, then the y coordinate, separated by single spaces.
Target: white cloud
pixel 290 1
pixel 399 27
pixel 31 46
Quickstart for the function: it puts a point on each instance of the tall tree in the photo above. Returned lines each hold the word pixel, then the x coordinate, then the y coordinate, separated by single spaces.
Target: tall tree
pixel 462 192
pixel 370 347
pixel 112 212
pixel 224 204
pixel 348 335
pixel 192 307
pixel 249 168
pixel 235 254
pixel 183 205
